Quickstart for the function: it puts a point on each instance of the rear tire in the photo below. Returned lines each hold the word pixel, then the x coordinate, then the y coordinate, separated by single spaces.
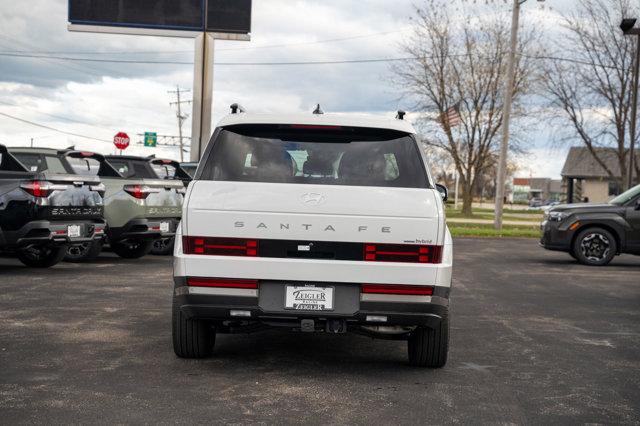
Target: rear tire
pixel 429 347
pixel 595 247
pixel 83 252
pixel 192 338
pixel 163 246
pixel 43 256
pixel 132 249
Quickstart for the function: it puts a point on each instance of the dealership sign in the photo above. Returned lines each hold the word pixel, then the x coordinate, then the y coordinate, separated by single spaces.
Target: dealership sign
pixel 219 16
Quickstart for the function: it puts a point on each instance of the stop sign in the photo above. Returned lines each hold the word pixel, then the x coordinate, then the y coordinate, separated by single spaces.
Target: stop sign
pixel 121 140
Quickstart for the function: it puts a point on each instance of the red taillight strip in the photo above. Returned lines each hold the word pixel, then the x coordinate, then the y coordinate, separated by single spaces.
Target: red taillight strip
pixel 222 283
pixel 214 246
pixel 407 253
pixel 409 290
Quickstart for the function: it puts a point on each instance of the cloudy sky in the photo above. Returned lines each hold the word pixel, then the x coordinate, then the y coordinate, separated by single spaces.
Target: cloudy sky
pixel 98 99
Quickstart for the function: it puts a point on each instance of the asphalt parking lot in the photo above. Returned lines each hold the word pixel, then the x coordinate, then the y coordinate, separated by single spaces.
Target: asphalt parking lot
pixel 536 338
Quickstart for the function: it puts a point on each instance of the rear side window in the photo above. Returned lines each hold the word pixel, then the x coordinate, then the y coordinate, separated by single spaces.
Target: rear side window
pixel 33 162
pixel 317 155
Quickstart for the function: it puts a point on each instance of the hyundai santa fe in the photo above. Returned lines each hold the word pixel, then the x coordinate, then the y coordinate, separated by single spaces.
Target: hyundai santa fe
pixel 313 223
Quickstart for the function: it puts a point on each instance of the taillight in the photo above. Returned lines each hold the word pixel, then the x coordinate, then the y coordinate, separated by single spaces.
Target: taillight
pixel 221 282
pixel 37 188
pixel 402 253
pixel 139 191
pixel 219 246
pixel 408 290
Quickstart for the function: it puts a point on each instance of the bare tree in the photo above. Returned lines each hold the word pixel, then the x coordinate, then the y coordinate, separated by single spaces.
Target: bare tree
pixel 462 64
pixel 593 88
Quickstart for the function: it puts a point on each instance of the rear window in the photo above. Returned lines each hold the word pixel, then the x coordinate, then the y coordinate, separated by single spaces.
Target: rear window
pixel 164 171
pixel 321 156
pixel 84 166
pixel 133 168
pixel 41 163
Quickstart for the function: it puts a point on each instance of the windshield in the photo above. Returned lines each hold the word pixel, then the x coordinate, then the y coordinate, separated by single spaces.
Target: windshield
pixel 626 196
pixel 321 156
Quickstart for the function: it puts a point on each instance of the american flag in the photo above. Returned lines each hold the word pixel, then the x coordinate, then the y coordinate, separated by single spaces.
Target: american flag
pixel 452 116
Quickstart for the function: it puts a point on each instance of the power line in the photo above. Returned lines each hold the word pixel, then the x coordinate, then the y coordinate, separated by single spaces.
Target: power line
pixel 148 52
pixel 292 63
pixel 53 129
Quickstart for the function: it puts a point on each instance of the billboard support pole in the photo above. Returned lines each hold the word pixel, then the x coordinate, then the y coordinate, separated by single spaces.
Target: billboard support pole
pixel 202 94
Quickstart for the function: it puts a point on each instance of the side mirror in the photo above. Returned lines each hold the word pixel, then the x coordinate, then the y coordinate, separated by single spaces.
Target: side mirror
pixel 638 204
pixel 443 191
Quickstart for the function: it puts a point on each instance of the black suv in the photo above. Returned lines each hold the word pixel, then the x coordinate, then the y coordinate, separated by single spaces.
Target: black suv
pixel 594 233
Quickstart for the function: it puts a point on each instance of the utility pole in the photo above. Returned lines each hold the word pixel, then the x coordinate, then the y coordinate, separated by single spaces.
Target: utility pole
pixel 506 116
pixel 31 142
pixel 627 27
pixel 181 117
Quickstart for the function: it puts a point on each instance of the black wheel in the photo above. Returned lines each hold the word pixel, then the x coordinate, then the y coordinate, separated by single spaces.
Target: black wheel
pixel 192 338
pixel 132 249
pixel 163 246
pixel 595 247
pixel 83 252
pixel 42 256
pixel 429 347
pixel 572 254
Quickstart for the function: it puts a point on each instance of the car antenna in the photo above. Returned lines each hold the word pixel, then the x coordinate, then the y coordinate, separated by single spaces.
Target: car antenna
pixel 318 110
pixel 401 114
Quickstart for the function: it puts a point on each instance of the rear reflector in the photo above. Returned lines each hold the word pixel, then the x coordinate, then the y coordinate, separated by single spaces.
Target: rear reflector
pixel 408 290
pixel 220 246
pixel 402 253
pixel 222 283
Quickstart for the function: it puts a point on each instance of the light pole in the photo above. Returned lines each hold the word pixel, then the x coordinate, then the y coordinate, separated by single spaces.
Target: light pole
pixel 627 27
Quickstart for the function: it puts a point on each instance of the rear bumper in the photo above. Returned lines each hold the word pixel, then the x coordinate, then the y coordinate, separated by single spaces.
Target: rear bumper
pixel 266 306
pixel 144 228
pixel 55 232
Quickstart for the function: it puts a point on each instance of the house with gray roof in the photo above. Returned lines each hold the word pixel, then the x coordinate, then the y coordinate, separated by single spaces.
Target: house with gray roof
pixel 584 179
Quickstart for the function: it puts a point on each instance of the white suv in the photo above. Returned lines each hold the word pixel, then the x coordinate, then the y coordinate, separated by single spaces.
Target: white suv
pixel 315 222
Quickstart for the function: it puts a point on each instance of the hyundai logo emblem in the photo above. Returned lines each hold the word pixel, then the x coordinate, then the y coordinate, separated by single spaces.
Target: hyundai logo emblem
pixel 312 199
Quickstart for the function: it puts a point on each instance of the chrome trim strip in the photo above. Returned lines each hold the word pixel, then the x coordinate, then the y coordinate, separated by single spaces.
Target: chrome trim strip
pixel 216 291
pixel 401 298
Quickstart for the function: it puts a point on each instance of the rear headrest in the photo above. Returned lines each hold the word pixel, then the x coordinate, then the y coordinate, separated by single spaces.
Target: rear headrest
pixel 369 166
pixel 273 164
pixel 317 166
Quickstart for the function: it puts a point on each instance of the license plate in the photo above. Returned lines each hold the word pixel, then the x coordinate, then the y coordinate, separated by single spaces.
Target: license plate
pixel 73 231
pixel 309 298
pixel 164 226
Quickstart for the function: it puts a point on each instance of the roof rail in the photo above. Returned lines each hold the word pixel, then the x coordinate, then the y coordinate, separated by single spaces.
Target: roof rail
pixel 236 109
pixel 318 110
pixel 401 114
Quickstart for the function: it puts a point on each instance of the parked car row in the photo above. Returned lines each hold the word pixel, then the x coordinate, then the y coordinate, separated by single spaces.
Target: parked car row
pixel 57 204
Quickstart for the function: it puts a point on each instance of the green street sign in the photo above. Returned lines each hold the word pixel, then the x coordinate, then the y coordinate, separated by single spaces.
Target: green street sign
pixel 150 139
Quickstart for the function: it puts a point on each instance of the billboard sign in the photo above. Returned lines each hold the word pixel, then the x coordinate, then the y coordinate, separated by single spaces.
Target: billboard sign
pixel 223 16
